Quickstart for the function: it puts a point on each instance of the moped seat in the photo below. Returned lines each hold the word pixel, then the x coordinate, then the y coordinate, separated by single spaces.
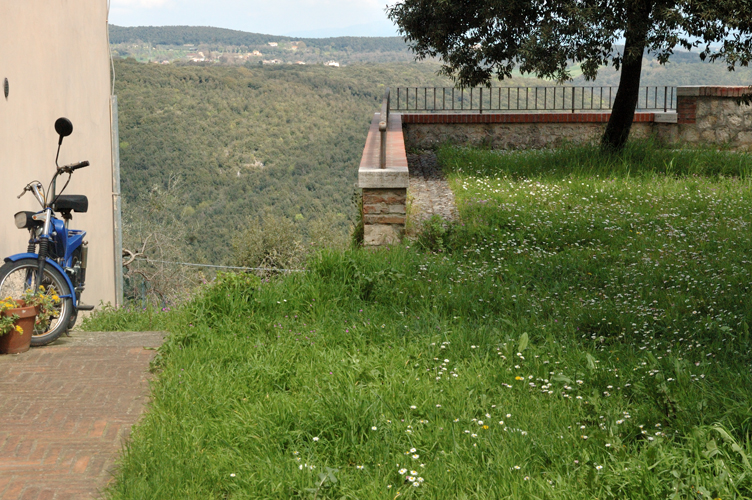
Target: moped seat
pixel 67 202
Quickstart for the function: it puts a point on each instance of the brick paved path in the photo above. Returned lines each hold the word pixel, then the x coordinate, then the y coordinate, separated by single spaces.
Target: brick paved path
pixel 65 410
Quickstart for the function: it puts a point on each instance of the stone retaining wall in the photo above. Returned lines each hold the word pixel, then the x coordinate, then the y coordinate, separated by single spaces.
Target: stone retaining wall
pixel 513 131
pixel 711 115
pixel 705 115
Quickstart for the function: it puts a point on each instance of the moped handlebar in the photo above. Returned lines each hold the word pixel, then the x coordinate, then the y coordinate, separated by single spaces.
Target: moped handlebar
pixel 68 169
pixel 36 188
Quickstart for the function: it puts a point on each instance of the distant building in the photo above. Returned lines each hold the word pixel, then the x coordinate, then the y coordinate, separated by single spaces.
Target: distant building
pixel 299 62
pixel 333 64
pixel 273 44
pixel 273 61
pixel 256 53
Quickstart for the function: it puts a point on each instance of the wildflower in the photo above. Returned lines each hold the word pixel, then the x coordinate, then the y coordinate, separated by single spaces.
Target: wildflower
pixel 411 479
pixel 413 407
pixel 232 475
pixel 359 467
pixel 402 472
pixel 373 428
pixel 516 467
pixel 414 473
pixel 316 439
pixel 416 457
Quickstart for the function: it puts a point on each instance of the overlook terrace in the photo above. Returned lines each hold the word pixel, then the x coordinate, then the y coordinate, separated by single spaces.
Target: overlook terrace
pixel 527 117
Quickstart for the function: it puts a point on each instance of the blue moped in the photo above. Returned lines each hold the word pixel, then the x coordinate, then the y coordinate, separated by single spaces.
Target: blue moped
pixel 59 264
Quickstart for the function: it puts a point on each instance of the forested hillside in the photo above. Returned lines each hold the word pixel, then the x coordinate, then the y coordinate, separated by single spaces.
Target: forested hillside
pixel 209 151
pixel 233 142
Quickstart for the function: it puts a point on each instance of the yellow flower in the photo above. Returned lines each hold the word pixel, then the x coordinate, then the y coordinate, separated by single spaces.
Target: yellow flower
pixel 19 329
pixel 519 378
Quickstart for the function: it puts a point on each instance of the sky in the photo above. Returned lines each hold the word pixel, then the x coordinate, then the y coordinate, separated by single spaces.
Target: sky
pixel 303 18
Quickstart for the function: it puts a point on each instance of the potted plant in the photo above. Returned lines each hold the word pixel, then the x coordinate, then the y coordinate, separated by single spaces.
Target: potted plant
pixel 16 325
pixel 47 303
pixel 19 318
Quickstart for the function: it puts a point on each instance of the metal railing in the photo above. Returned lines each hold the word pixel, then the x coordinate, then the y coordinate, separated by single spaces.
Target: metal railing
pixel 526 99
pixel 383 126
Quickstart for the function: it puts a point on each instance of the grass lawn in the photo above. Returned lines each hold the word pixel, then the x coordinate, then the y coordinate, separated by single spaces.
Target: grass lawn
pixel 582 333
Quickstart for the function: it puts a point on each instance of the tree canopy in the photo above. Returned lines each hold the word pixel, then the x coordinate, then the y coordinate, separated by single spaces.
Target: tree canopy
pixel 479 40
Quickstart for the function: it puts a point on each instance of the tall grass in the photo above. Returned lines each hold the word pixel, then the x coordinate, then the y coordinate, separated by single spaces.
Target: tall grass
pixel 582 333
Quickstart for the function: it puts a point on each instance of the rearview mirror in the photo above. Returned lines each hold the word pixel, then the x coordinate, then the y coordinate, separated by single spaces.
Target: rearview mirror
pixel 64 128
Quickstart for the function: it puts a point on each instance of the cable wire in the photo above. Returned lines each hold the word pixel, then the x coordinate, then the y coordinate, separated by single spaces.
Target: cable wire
pixel 190 264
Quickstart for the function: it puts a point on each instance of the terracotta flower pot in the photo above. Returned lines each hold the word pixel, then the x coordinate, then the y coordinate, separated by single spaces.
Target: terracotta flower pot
pixel 14 342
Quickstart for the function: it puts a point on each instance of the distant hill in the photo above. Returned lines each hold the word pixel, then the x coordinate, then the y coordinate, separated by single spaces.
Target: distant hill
pixel 169 43
pixel 204 35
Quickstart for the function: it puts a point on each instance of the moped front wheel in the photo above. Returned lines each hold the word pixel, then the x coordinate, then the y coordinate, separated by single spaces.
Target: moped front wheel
pixel 17 277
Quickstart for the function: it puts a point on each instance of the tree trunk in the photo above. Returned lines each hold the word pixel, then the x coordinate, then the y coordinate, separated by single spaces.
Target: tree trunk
pixel 625 102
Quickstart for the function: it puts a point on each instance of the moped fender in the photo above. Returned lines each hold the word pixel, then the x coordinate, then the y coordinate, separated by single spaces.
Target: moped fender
pixel 72 296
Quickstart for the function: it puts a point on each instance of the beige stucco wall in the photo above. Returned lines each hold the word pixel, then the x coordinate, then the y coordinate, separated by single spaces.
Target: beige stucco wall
pixel 55 56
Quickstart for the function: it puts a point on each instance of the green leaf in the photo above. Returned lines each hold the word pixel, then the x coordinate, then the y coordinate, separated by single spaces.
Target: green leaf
pixel 523 342
pixel 590 361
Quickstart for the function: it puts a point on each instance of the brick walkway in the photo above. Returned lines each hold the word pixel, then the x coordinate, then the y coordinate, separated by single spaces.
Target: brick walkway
pixel 65 410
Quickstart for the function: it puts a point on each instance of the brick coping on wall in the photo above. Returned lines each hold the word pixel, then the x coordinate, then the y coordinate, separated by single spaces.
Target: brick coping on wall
pixel 712 91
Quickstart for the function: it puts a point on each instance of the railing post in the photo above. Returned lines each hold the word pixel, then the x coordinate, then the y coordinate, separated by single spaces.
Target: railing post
pixel 383 125
pixel 573 99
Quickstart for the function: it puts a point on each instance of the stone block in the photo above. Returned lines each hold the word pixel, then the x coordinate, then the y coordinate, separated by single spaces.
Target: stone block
pixel 734 120
pixel 744 138
pixel 707 122
pixel 376 235
pixel 689 134
pixel 668 117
